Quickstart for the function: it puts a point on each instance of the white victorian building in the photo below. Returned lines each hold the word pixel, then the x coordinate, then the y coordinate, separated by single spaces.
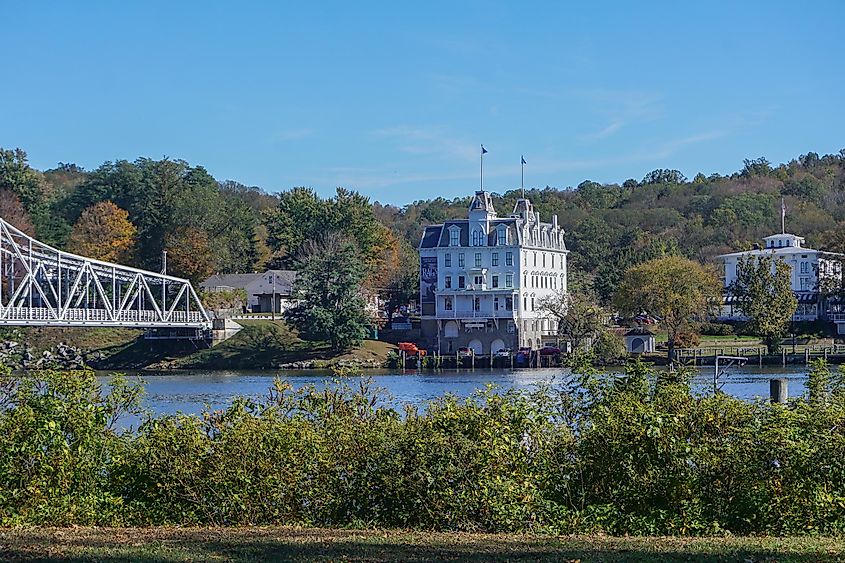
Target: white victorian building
pixel 814 274
pixel 482 279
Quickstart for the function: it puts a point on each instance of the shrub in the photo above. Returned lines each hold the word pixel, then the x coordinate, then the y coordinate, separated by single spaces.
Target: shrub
pixel 630 453
pixel 717 329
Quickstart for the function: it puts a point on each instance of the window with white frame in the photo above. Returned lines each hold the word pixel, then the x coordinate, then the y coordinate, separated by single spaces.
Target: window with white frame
pixel 461 261
pixel 447 304
pixel 508 280
pixel 494 259
pixel 454 237
pixel 447 260
pixel 508 258
pixel 502 236
pixel 477 259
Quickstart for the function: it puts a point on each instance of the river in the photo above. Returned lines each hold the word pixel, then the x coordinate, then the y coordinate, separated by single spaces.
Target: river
pixel 193 391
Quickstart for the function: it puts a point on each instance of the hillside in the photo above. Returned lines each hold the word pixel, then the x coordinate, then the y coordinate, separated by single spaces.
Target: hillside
pixel 223 226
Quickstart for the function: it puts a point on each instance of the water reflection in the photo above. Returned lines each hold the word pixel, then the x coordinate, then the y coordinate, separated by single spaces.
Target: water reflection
pixel 194 391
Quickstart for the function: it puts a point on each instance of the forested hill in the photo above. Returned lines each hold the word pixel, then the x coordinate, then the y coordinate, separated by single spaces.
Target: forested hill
pixel 611 227
pixel 131 211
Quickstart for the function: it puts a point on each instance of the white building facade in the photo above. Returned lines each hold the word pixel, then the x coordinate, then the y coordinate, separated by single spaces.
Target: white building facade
pixel 482 279
pixel 814 274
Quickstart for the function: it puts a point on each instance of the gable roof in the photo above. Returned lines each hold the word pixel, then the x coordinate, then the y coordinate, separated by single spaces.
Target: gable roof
pixel 256 281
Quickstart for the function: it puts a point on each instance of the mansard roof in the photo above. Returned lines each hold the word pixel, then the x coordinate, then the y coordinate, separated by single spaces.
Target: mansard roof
pixel 438 235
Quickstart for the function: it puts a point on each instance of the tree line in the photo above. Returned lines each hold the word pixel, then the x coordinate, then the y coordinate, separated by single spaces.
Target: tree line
pixel 130 212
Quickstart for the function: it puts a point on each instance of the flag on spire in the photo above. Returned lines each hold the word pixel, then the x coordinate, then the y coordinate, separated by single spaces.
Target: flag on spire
pixel 483 150
pixel 523 161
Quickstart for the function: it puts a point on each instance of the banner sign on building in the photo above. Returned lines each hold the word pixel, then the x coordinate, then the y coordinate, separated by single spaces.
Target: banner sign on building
pixel 428 278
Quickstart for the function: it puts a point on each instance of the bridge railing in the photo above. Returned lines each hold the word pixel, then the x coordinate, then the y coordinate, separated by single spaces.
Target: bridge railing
pixel 146 317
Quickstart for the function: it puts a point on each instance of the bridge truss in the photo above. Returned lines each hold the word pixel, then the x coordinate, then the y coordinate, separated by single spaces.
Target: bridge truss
pixel 44 286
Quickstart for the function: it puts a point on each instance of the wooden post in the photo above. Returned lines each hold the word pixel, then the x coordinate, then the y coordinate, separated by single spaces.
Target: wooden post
pixel 778 390
pixel 472 359
pixel 511 356
pixel 783 356
pixel 760 356
pixel 806 356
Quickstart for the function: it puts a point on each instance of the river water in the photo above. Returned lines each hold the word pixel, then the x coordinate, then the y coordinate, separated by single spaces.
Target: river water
pixel 194 391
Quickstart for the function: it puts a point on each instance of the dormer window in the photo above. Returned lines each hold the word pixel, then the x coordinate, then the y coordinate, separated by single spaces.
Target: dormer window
pixel 454 236
pixel 502 236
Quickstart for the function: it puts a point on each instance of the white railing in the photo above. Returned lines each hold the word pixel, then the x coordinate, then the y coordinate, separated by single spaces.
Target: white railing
pixel 144 317
pixel 444 314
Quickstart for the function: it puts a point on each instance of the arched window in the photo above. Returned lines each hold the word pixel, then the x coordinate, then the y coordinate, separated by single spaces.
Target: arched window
pixel 475 238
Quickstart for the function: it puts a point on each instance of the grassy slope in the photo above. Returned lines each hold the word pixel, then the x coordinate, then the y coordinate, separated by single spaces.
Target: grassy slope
pixel 44 338
pixel 302 544
pixel 267 343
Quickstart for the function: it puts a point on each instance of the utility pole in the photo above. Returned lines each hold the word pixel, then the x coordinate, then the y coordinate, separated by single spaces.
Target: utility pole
pixel 273 302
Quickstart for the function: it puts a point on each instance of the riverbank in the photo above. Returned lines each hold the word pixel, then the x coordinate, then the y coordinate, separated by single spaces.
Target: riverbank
pixel 319 544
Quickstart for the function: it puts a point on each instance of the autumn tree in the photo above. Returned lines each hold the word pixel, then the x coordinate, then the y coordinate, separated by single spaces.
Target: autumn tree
pixel 103 232
pixel 762 291
pixel 13 212
pixel 188 254
pixel 677 291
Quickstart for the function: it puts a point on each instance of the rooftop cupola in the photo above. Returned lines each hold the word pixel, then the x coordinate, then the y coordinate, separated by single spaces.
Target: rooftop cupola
pixel 784 240
pixel 481 208
pixel 524 210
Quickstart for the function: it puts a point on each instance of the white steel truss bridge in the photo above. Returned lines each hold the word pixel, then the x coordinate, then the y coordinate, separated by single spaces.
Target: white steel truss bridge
pixel 44 286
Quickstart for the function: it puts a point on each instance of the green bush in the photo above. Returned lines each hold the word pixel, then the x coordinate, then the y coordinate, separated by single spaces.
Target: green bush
pixel 717 329
pixel 631 453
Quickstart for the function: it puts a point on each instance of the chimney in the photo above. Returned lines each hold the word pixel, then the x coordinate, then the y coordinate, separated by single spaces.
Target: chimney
pixel 554 221
pixel 537 216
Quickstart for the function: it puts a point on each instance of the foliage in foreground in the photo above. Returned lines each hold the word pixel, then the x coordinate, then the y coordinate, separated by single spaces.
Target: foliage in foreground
pixel 633 453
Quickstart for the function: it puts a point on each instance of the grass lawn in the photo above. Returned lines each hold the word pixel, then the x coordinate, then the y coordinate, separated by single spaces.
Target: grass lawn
pixel 264 343
pixel 94 338
pixel 305 544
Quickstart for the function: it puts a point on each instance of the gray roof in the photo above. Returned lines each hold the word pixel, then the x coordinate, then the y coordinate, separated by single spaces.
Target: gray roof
pixel 234 281
pixel 639 331
pixel 260 281
pixel 438 235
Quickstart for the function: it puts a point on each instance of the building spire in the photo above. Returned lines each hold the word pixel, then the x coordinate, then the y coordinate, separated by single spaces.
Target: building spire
pixel 782 217
pixel 522 183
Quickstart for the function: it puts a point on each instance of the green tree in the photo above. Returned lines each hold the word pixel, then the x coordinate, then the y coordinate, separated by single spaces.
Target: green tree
pixel 661 176
pixel 18 177
pixel 328 288
pixel 763 293
pixel 677 291
pixel 579 319
pixel 302 216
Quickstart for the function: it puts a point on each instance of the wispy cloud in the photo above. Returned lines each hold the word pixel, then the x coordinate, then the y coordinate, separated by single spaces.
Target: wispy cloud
pixel 669 148
pixel 605 132
pixel 541 170
pixel 295 134
pixel 429 140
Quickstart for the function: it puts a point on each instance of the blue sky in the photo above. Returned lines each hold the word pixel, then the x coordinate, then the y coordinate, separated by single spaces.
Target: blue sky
pixel 393 99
